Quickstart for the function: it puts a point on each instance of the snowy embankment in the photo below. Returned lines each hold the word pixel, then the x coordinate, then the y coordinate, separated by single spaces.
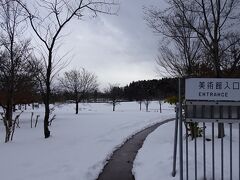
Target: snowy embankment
pixel 154 160
pixel 79 145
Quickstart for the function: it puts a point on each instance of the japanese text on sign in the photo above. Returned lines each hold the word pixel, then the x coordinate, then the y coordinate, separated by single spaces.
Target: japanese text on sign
pixel 213 89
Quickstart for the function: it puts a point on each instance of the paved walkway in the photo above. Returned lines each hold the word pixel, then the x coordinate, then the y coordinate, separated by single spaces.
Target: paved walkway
pixel 119 166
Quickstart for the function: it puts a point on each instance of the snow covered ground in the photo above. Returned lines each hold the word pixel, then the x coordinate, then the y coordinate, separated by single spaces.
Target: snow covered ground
pixel 79 145
pixel 154 160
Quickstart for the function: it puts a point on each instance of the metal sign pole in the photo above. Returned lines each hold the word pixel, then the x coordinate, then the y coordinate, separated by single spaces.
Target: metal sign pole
pixel 180 131
pixel 175 141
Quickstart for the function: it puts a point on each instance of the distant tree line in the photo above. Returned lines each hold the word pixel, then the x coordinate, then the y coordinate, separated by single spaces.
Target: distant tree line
pixel 151 89
pixel 136 91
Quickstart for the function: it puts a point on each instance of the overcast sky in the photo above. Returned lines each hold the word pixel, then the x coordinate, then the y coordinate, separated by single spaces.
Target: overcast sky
pixel 118 49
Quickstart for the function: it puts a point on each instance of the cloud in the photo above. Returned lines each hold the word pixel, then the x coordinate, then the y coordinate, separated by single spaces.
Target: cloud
pixel 118 49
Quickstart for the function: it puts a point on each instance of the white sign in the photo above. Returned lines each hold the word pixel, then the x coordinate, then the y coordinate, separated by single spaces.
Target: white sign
pixel 212 89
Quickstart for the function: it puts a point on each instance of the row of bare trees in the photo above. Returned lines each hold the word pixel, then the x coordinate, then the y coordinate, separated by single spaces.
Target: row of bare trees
pixel 200 38
pixel 46 19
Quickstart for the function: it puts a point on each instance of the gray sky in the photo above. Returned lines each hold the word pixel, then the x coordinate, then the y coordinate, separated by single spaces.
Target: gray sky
pixel 118 49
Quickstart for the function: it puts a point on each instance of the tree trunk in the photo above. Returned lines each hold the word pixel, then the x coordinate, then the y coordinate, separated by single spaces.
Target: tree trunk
pixel 8 133
pixel 221 132
pixel 160 107
pixel 76 107
pixel 140 103
pixel 46 118
pixel 8 119
pixel 9 115
pixel 114 106
pixel 47 96
pixel 7 130
pixel 218 75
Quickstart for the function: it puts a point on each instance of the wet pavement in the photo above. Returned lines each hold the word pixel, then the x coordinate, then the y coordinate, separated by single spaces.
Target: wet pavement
pixel 119 166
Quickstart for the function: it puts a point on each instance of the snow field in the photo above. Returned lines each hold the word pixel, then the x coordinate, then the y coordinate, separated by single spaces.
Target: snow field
pixel 79 145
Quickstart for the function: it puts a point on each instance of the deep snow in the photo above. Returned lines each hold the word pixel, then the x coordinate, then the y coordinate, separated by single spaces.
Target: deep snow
pixel 79 145
pixel 154 160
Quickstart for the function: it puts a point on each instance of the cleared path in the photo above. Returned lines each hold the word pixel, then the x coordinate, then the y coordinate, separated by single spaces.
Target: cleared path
pixel 119 166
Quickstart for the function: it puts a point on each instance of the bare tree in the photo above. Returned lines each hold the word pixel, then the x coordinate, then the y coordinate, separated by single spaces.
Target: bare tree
pixel 214 22
pixel 89 83
pixel 147 95
pixel 14 59
pixel 179 50
pixel 231 57
pixel 48 21
pixel 79 82
pixel 140 104
pixel 160 98
pixel 147 102
pixel 139 93
pixel 114 93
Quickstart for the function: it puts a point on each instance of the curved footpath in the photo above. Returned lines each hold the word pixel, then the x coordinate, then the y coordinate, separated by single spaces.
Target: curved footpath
pixel 119 166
